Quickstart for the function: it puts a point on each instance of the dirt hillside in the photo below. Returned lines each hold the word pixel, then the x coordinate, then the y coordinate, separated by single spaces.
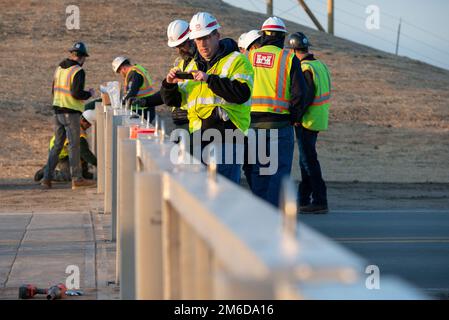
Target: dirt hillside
pixel 389 119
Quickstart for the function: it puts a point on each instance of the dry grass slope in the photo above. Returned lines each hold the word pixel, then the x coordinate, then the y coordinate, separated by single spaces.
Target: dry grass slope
pixel 390 115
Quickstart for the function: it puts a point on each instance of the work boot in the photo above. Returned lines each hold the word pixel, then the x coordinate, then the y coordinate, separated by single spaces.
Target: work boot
pixel 39 175
pixel 88 175
pixel 83 183
pixel 46 184
pixel 314 208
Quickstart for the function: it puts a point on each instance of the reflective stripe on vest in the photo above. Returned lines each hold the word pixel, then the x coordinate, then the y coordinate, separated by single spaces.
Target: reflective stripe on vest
pixel 317 115
pixel 201 100
pixel 62 96
pixel 146 89
pixel 272 82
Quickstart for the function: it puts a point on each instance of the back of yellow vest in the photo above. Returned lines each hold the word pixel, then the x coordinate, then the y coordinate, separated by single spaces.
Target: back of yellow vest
pixel 271 91
pixel 62 86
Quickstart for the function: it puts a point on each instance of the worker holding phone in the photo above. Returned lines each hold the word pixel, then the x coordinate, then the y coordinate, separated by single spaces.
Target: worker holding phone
pixel 178 37
pixel 218 96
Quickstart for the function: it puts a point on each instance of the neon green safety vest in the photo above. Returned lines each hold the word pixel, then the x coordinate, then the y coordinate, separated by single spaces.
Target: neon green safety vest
pixel 146 89
pixel 188 68
pixel 271 79
pixel 317 114
pixel 64 151
pixel 62 85
pixel 201 100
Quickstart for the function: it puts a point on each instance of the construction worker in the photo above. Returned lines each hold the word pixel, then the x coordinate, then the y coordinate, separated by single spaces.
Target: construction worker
pixel 240 43
pixel 218 96
pixel 312 194
pixel 137 86
pixel 178 37
pixel 249 40
pixel 87 157
pixel 68 103
pixel 277 102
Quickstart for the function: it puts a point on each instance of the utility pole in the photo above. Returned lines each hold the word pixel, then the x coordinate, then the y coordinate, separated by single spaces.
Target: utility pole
pixel 399 33
pixel 270 8
pixel 330 16
pixel 309 12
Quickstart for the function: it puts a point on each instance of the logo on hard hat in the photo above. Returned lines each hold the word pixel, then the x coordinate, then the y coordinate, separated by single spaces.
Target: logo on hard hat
pixel 198 27
pixel 263 59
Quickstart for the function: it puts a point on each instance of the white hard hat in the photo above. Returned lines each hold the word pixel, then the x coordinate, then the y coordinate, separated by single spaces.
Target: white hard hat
pixel 117 62
pixel 274 24
pixel 177 33
pixel 241 40
pixel 202 24
pixel 90 115
pixel 249 38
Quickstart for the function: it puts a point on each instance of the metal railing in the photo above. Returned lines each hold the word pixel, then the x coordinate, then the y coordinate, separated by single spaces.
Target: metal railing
pixel 184 233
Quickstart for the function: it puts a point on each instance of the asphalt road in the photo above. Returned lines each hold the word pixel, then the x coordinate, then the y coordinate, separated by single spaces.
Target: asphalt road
pixel 410 244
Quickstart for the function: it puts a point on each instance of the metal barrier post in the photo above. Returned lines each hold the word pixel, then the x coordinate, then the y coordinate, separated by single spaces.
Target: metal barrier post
pixel 171 253
pixel 148 206
pixel 122 133
pixel 125 214
pixel 99 133
pixel 108 162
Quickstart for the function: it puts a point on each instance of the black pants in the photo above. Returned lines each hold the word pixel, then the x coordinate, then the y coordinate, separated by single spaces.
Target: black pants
pixel 312 188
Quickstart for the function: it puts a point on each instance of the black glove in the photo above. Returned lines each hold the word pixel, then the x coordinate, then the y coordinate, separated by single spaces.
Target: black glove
pixel 141 103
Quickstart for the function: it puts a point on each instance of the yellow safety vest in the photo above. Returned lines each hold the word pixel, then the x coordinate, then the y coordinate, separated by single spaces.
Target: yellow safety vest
pixel 146 89
pixel 188 68
pixel 317 115
pixel 201 100
pixel 62 85
pixel 64 151
pixel 271 79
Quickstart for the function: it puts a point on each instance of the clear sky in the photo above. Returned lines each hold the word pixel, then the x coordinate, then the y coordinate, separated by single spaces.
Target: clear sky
pixel 424 29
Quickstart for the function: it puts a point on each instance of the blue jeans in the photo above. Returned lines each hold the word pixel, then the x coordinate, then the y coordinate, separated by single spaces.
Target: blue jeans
pixel 67 125
pixel 267 186
pixel 311 189
pixel 231 165
pixel 229 161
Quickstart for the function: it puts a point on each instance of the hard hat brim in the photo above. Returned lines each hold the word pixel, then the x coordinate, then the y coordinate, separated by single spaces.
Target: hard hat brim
pixel 76 50
pixel 199 34
pixel 273 29
pixel 173 44
pixel 118 67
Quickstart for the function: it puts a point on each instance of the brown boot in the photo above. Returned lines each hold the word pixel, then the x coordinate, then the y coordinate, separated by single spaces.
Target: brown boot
pixel 83 183
pixel 46 184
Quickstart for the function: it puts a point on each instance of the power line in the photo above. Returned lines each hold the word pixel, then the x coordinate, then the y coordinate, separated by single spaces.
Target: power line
pixel 254 5
pixel 387 28
pixel 289 9
pixel 402 33
pixel 378 37
pixel 298 18
pixel 404 21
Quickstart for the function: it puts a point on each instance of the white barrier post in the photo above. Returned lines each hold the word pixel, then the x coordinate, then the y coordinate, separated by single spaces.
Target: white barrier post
pixel 148 243
pixel 125 215
pixel 99 133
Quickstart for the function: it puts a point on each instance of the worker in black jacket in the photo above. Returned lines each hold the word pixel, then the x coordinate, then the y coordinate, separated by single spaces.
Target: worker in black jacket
pixel 312 192
pixel 278 101
pixel 178 37
pixel 68 102
pixel 218 96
